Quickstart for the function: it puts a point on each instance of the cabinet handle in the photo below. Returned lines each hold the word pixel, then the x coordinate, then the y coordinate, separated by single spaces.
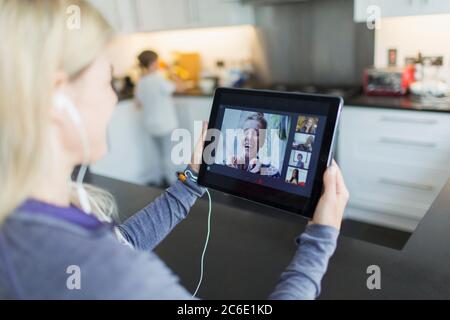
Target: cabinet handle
pixel 405 184
pixel 408 120
pixel 408 142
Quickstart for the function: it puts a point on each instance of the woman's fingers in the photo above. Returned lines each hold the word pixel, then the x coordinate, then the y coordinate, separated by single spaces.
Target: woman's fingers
pixel 330 209
pixel 341 188
pixel 329 181
pixel 204 130
pixel 201 139
pixel 198 150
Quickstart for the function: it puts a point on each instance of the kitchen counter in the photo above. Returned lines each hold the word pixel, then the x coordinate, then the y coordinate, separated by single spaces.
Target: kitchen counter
pixel 252 244
pixel 193 93
pixel 352 97
pixel 401 103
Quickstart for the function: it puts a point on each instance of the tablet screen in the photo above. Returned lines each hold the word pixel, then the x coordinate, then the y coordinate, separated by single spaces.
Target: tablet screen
pixel 276 149
pixel 270 147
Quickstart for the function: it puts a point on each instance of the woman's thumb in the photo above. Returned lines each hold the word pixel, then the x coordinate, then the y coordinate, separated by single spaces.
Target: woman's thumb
pixel 329 180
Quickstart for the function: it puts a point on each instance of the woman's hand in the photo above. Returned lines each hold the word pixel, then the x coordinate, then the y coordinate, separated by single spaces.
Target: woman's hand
pixel 197 155
pixel 331 205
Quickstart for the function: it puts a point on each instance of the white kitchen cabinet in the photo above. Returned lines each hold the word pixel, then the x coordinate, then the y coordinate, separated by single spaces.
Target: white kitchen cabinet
pixel 212 13
pixel 109 10
pixel 121 14
pixel 394 162
pixel 128 16
pixel 191 109
pixel 158 15
pixel 132 154
pixel 399 8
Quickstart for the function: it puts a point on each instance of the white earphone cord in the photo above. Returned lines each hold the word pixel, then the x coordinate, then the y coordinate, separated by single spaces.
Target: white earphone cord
pixel 208 235
pixel 82 194
pixel 86 154
pixel 63 101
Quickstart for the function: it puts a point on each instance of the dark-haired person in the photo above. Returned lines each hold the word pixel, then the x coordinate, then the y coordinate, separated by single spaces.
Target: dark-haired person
pixel 294 177
pixel 254 127
pixel 299 161
pixel 154 96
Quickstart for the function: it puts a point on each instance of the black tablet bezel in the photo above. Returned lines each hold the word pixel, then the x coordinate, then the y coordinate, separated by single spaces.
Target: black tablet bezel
pixel 263 194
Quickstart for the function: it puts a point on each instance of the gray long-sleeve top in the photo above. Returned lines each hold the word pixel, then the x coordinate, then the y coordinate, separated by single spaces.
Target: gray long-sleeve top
pixel 49 252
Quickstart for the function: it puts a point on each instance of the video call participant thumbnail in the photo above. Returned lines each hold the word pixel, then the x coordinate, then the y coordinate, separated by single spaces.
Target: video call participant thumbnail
pixel 254 126
pixel 303 142
pixel 307 124
pixel 296 176
pixel 300 159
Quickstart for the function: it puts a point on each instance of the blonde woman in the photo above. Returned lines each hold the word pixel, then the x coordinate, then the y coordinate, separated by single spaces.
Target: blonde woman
pixel 55 103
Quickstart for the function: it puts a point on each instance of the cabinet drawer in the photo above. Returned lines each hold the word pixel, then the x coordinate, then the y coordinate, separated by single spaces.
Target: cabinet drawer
pixel 394 162
pixel 385 121
pixel 365 136
pixel 423 152
pixel 403 190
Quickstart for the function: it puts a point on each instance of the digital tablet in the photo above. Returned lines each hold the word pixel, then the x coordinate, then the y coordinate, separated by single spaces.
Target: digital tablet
pixel 270 147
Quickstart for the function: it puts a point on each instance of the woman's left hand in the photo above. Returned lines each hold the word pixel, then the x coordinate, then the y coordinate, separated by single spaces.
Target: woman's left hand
pixel 197 155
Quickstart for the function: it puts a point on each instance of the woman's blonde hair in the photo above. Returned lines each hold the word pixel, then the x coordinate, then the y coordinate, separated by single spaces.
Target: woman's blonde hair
pixel 37 41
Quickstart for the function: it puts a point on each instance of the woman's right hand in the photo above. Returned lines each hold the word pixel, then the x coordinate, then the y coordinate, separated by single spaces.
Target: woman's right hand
pixel 334 199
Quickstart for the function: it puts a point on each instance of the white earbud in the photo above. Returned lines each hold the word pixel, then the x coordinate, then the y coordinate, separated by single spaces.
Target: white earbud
pixel 62 101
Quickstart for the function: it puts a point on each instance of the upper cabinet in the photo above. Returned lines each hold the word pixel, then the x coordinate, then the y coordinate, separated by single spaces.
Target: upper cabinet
pixel 155 15
pixel 158 15
pixel 121 14
pixel 367 9
pixel 211 13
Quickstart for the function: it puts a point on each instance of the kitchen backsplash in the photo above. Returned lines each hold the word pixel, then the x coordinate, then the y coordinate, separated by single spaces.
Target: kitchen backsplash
pixel 429 35
pixel 312 42
pixel 229 44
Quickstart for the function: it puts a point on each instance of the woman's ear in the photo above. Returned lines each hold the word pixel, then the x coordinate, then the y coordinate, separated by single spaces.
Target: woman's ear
pixel 60 81
pixel 60 84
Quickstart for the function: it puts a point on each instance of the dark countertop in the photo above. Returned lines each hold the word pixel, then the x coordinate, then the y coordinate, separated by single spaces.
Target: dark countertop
pixel 252 244
pixel 401 103
pixel 352 96
pixel 176 95
pixel 194 93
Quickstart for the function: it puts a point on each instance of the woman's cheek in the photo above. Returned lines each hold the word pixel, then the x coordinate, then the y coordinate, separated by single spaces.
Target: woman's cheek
pixel 106 108
pixel 99 129
pixel 99 146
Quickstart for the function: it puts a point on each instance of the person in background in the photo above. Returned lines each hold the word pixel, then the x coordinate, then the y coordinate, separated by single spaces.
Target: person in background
pixel 154 97
pixel 45 234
